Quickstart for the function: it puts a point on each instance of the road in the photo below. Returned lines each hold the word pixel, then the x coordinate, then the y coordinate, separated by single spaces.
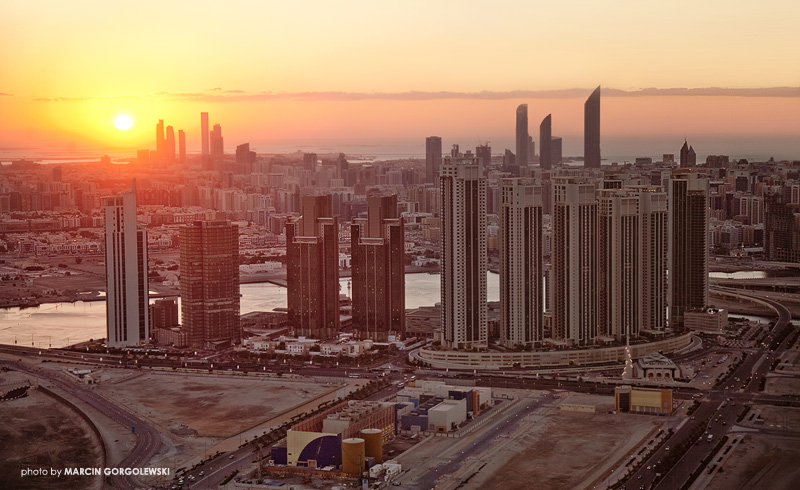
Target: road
pixel 468 454
pixel 148 440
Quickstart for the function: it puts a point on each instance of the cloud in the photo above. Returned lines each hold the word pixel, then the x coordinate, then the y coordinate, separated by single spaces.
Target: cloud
pixel 218 95
pixel 3 94
pixel 336 96
pixel 83 99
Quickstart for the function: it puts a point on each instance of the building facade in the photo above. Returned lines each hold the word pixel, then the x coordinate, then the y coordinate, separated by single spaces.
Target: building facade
pixel 378 265
pixel 312 269
pixel 574 265
pixel 522 136
pixel 209 266
pixel 632 262
pixel 464 255
pixel 433 158
pixel 520 240
pixel 127 290
pixel 688 244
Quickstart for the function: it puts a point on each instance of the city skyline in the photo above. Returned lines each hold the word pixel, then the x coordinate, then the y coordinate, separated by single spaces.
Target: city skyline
pixel 661 85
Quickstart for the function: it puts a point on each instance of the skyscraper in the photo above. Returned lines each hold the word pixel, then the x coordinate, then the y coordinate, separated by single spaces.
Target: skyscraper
pixel 484 152
pixel 522 135
pixel 378 263
pixel 574 261
pixel 688 156
pixel 545 134
pixel 556 149
pixel 632 261
pixel 591 130
pixel 688 244
pixel 169 147
pixel 181 146
pixel 209 267
pixel 217 147
pixel 312 269
pixel 433 158
pixel 520 240
pixel 464 256
pixel 161 141
pixel 204 133
pixel 127 290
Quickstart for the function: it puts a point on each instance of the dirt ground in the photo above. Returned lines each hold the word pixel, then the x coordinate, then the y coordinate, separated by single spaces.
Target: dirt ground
pixel 204 405
pixel 63 280
pixel 782 385
pixel 38 432
pixel 786 417
pixel 564 449
pixel 760 462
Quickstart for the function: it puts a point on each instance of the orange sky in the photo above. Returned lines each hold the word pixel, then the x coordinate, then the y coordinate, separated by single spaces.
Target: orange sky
pixel 70 67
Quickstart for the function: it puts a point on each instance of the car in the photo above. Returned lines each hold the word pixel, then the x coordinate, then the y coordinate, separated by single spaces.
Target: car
pixel 230 457
pixel 201 473
pixel 649 467
pixel 395 483
pixel 667 448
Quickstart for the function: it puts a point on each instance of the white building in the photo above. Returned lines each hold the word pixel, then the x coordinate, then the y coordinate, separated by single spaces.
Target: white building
pixel 520 241
pixel 127 290
pixel 447 415
pixel 464 255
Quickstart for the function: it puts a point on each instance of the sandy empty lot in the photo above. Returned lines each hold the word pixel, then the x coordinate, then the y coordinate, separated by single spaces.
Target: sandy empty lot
pixel 760 462
pixel 563 449
pixel 39 432
pixel 206 405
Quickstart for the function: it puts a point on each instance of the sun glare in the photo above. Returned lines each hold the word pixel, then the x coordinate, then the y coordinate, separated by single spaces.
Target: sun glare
pixel 123 122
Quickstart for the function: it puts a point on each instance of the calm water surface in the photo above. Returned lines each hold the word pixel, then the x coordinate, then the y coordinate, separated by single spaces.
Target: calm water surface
pixel 60 324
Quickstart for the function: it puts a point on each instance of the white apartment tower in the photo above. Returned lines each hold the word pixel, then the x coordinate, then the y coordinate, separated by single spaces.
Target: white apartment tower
pixel 688 244
pixel 520 241
pixel 126 272
pixel 463 242
pixel 574 267
pixel 632 261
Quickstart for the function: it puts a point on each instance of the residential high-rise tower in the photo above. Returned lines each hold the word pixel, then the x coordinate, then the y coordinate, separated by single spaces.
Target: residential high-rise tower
pixel 688 244
pixel 209 266
pixel 520 241
pixel 632 261
pixel 464 256
pixel 378 265
pixel 312 269
pixel 573 255
pixel 127 292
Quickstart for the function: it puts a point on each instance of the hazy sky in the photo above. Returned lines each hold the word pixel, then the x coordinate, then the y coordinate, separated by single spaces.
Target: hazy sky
pixel 373 70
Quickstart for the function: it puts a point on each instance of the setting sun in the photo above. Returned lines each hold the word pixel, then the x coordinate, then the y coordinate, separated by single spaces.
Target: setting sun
pixel 123 122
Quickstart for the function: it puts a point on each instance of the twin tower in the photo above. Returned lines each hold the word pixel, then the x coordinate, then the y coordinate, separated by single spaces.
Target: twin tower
pixel 378 270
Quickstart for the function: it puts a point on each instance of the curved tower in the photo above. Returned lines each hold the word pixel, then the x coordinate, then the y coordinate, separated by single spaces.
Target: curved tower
pixel 591 130
pixel 545 135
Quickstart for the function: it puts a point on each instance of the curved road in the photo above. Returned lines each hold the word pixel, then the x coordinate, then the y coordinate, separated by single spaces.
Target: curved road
pixel 148 440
